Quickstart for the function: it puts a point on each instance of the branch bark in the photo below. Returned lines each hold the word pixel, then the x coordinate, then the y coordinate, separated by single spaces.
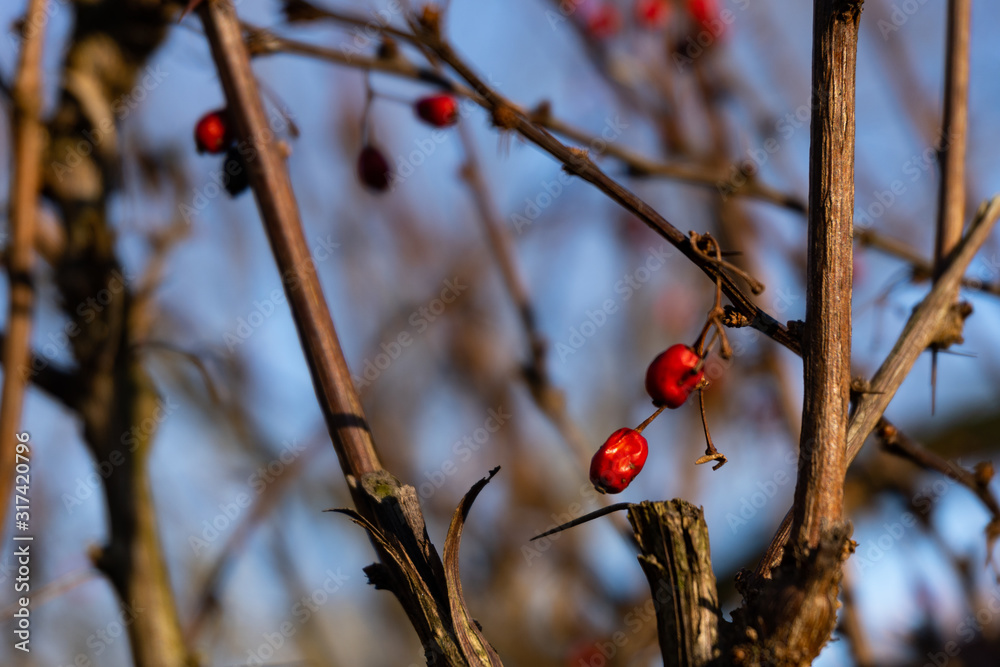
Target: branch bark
pixel 410 566
pixel 115 398
pixel 792 616
pixel 826 345
pixel 954 130
pixel 28 138
pixel 677 561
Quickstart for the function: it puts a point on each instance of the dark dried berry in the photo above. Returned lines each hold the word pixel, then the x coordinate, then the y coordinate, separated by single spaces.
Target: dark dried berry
pixel 373 169
pixel 236 173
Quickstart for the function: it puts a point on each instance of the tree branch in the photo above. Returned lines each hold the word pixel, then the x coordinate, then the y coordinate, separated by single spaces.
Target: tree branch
pixel 826 347
pixel 410 566
pixel 28 138
pixel 955 126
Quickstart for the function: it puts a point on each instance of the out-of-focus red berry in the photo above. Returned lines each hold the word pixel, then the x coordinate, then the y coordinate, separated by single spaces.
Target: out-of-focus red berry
pixel 704 12
pixel 652 14
pixel 438 110
pixel 212 132
pixel 603 21
pixel 618 461
pixel 672 377
pixel 373 168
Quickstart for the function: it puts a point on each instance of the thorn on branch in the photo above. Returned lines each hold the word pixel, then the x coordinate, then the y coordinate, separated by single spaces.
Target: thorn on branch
pixel 504 118
pixel 300 11
pixel 430 20
pixel 596 514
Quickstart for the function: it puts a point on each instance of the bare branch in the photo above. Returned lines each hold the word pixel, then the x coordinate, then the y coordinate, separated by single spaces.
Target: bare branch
pixel 28 137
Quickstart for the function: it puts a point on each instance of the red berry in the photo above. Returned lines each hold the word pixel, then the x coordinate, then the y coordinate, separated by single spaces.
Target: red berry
pixel 438 110
pixel 652 14
pixel 618 461
pixel 604 21
pixel 672 376
pixel 704 12
pixel 212 133
pixel 373 168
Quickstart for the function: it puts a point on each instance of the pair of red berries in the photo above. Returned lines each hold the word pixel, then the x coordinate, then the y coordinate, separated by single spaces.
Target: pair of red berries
pixel 604 20
pixel 213 133
pixel 670 379
pixel 373 167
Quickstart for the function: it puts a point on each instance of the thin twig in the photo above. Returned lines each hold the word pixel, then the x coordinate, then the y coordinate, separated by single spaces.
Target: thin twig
pixel 262 506
pixel 954 128
pixel 920 267
pixel 919 332
pixel 898 443
pixel 579 163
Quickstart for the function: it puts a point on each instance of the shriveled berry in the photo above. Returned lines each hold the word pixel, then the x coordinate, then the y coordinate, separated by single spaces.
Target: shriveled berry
pixel 438 110
pixel 618 461
pixel 604 21
pixel 652 14
pixel 373 168
pixel 672 376
pixel 212 132
pixel 236 173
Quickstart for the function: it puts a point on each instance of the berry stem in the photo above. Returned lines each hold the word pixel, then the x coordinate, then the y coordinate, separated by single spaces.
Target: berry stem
pixel 711 453
pixel 369 97
pixel 649 420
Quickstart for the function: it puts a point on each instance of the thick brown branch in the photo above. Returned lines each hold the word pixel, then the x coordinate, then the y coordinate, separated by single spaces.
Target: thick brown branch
pixel 677 561
pixel 826 348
